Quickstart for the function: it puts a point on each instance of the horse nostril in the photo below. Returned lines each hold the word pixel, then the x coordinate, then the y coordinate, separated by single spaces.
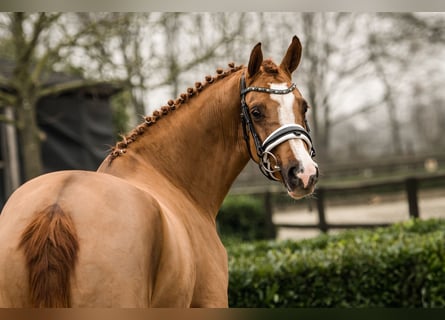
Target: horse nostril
pixel 292 175
pixel 313 179
pixel 293 172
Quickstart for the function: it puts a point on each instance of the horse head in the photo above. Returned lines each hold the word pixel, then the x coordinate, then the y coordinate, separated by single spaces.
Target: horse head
pixel 274 121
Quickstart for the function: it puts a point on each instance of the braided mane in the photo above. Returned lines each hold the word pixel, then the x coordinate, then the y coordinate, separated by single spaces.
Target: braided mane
pixel 121 146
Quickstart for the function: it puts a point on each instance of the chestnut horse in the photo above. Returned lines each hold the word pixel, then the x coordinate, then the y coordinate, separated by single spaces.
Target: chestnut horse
pixel 141 232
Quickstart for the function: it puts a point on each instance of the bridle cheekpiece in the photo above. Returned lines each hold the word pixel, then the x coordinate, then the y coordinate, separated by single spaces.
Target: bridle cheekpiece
pixel 280 135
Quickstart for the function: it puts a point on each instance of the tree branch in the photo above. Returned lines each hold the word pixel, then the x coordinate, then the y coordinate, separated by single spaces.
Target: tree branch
pixel 74 85
pixel 7 120
pixel 7 99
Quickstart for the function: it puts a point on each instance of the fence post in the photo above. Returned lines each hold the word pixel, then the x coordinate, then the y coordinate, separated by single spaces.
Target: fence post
pixel 269 225
pixel 322 225
pixel 411 192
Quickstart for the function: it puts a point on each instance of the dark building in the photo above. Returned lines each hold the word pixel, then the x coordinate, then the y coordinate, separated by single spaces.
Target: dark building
pixel 76 125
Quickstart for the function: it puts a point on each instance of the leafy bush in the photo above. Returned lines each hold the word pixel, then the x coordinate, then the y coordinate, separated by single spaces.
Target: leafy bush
pixel 399 266
pixel 243 217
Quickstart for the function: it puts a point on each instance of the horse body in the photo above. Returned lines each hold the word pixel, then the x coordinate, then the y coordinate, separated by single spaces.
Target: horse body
pixel 141 231
pixel 140 234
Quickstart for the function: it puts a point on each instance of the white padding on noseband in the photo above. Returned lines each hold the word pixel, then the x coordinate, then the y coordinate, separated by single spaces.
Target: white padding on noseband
pixel 280 135
pixel 295 133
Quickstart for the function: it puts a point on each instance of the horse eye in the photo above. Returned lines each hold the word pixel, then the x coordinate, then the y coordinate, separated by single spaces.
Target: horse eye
pixel 305 106
pixel 256 113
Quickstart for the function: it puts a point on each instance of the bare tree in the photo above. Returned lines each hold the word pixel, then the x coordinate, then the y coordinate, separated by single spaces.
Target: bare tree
pixel 193 40
pixel 353 65
pixel 334 60
pixel 152 51
pixel 400 49
pixel 38 41
pixel 25 82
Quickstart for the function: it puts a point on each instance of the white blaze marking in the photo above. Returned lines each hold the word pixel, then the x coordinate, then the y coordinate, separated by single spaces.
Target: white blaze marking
pixel 286 116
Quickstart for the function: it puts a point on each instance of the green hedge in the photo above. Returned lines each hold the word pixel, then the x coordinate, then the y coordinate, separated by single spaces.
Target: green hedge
pixel 243 217
pixel 399 266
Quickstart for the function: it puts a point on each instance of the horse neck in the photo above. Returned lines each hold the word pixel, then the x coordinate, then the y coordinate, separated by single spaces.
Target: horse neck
pixel 198 148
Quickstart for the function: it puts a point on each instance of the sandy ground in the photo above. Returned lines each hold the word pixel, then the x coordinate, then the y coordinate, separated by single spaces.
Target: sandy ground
pixel 431 205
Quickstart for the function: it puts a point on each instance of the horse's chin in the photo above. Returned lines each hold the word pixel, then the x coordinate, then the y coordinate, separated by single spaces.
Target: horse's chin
pixel 300 193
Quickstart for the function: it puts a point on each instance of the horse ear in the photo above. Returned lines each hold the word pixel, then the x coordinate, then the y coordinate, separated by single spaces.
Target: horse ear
pixel 293 55
pixel 255 61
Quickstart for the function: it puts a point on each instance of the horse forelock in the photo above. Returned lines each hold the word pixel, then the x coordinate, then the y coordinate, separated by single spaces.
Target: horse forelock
pixel 268 71
pixel 269 66
pixel 121 146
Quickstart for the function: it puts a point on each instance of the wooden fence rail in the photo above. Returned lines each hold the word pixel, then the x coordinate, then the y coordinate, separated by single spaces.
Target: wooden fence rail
pixel 410 184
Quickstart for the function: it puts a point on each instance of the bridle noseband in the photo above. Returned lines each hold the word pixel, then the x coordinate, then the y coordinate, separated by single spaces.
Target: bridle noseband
pixel 280 135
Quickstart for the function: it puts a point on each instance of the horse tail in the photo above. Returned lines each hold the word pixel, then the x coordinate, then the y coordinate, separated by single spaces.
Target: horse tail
pixel 51 246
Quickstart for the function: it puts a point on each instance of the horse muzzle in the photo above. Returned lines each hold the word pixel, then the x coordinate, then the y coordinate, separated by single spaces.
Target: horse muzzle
pixel 300 181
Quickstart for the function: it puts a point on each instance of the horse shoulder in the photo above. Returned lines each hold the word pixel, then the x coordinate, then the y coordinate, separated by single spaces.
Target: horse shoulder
pixel 192 242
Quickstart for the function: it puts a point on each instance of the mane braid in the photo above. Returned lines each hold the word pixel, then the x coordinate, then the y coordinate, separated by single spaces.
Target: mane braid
pixel 121 147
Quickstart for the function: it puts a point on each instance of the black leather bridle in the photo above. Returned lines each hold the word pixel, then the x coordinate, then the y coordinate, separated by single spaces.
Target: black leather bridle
pixel 282 134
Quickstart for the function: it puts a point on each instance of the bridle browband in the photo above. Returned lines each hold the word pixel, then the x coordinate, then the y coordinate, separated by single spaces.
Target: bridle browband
pixel 280 135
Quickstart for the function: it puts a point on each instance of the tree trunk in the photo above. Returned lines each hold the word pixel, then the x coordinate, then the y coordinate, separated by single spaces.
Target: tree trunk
pixel 29 138
pixel 396 139
pixel 320 113
pixel 26 92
